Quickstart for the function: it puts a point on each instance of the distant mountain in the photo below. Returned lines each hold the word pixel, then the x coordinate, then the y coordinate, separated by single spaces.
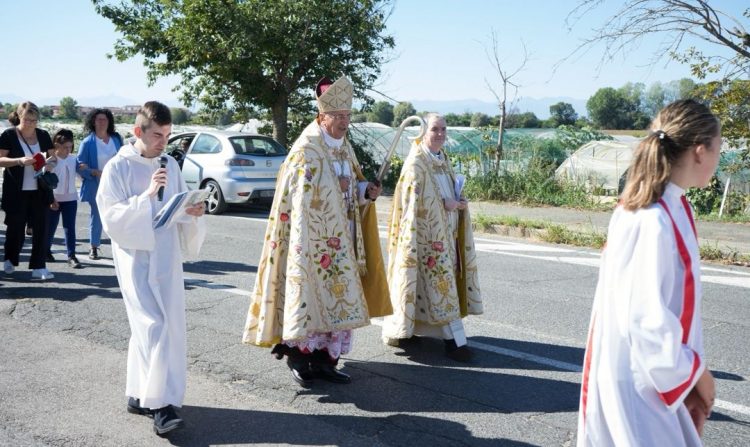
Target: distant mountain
pixel 540 107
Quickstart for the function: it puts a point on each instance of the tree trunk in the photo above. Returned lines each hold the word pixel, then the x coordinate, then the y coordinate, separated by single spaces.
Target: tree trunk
pixel 501 132
pixel 279 112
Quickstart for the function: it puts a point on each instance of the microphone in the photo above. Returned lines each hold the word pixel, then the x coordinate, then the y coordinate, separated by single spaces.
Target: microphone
pixel 163 161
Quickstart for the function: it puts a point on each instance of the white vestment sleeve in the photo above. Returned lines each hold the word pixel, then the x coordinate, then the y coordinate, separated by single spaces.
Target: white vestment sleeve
pixel 126 218
pixel 654 330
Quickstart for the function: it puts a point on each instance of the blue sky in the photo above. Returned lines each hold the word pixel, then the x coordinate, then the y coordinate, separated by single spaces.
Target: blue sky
pixel 60 49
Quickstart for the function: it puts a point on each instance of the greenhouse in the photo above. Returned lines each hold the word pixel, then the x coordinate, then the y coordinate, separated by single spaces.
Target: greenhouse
pixel 599 164
pixel 378 138
pixel 603 164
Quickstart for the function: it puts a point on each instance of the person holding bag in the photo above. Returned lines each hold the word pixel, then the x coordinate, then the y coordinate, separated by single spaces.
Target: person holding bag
pixel 22 199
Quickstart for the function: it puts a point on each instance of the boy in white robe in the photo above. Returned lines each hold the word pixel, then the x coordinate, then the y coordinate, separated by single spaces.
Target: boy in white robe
pixel 148 263
pixel 645 380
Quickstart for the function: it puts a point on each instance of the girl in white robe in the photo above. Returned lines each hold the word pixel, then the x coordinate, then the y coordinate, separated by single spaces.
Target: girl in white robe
pixel 645 379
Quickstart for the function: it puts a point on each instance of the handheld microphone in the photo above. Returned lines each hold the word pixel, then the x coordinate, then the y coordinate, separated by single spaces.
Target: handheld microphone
pixel 163 161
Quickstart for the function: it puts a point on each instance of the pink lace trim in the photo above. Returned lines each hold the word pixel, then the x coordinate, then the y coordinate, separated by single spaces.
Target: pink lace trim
pixel 336 343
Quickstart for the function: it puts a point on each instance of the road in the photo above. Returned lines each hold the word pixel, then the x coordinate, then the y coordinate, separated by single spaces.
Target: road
pixel 65 341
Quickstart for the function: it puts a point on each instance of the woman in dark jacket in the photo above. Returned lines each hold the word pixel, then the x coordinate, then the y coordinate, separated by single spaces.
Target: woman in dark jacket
pixel 22 199
pixel 95 151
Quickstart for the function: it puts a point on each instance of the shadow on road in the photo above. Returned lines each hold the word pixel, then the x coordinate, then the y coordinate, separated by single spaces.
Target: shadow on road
pixel 218 268
pixel 414 388
pixel 216 426
pixel 429 351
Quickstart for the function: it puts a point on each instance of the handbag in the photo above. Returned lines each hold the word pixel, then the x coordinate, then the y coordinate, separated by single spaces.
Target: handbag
pixel 46 181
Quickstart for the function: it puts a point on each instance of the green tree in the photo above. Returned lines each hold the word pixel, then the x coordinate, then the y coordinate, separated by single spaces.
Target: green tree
pixel 526 120
pixel 381 112
pixel 654 99
pixel 608 109
pixel 402 111
pixel 253 53
pixel 68 108
pixel 179 115
pixel 479 119
pixel 45 111
pixel 563 113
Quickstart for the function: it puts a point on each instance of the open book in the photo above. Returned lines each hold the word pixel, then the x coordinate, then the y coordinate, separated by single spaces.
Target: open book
pixel 174 209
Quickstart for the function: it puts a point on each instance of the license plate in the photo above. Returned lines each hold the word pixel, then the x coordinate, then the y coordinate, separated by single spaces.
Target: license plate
pixel 267 193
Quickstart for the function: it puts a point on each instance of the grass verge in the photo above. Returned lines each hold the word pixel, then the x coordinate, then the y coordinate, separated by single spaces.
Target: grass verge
pixel 560 234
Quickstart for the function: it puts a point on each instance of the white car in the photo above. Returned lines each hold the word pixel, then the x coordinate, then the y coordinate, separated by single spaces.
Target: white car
pixel 237 168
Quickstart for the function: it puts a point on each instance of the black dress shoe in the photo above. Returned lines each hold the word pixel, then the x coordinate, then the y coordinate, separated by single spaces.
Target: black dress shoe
pixel 458 353
pixel 300 372
pixel 134 407
pixel 50 257
pixel 166 420
pixel 73 262
pixel 328 372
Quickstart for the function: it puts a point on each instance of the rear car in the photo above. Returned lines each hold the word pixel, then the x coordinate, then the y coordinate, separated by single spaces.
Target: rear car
pixel 237 168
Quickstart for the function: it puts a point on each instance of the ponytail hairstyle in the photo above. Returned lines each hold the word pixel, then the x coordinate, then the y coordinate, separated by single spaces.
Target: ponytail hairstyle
pixel 23 109
pixel 63 136
pixel 677 127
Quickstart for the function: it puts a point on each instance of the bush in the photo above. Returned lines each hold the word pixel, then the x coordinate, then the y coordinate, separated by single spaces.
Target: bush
pixel 708 199
pixel 534 184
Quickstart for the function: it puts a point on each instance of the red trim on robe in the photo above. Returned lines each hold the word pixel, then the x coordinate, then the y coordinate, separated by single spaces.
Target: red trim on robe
pixel 587 368
pixel 669 397
pixel 688 300
pixel 690 215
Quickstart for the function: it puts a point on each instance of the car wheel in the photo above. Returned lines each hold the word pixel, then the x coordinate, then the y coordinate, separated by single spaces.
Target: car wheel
pixel 215 203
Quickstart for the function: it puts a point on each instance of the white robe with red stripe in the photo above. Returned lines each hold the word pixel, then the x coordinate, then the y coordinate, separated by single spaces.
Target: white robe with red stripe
pixel 645 344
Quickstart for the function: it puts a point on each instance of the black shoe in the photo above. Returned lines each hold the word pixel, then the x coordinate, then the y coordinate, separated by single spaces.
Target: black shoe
pixel 73 262
pixel 458 353
pixel 166 420
pixel 134 407
pixel 328 372
pixel 94 253
pixel 50 258
pixel 300 371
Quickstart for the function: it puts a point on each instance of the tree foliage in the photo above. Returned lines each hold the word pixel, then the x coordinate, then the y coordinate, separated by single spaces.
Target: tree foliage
pixel 402 111
pixel 526 120
pixel 253 54
pixel 563 113
pixel 68 108
pixel 381 112
pixel 179 115
pixel 479 119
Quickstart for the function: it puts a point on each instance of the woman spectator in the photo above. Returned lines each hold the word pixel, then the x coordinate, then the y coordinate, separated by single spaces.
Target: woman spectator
pixel 22 199
pixel 66 199
pixel 96 150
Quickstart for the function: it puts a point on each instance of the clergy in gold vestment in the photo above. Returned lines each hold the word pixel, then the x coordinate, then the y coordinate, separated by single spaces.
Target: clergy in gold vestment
pixel 432 269
pixel 321 272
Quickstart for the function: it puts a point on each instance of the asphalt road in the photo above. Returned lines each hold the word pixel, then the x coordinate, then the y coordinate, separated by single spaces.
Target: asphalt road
pixel 62 360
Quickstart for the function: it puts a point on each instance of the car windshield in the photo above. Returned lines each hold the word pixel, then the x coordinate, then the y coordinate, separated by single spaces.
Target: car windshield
pixel 255 145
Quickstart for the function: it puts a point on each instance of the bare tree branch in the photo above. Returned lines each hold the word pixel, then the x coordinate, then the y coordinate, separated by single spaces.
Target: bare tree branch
pixel 673 19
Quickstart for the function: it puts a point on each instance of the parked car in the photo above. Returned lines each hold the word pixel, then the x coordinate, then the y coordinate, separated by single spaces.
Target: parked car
pixel 237 168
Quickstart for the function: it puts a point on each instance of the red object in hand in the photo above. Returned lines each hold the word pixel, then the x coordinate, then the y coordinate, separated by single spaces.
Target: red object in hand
pixel 39 161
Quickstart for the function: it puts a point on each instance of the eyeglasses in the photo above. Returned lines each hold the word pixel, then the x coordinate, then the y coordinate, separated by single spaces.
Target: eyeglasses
pixel 340 116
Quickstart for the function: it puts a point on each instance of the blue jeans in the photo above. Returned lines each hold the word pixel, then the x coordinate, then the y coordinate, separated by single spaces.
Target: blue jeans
pixel 68 211
pixel 95 226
